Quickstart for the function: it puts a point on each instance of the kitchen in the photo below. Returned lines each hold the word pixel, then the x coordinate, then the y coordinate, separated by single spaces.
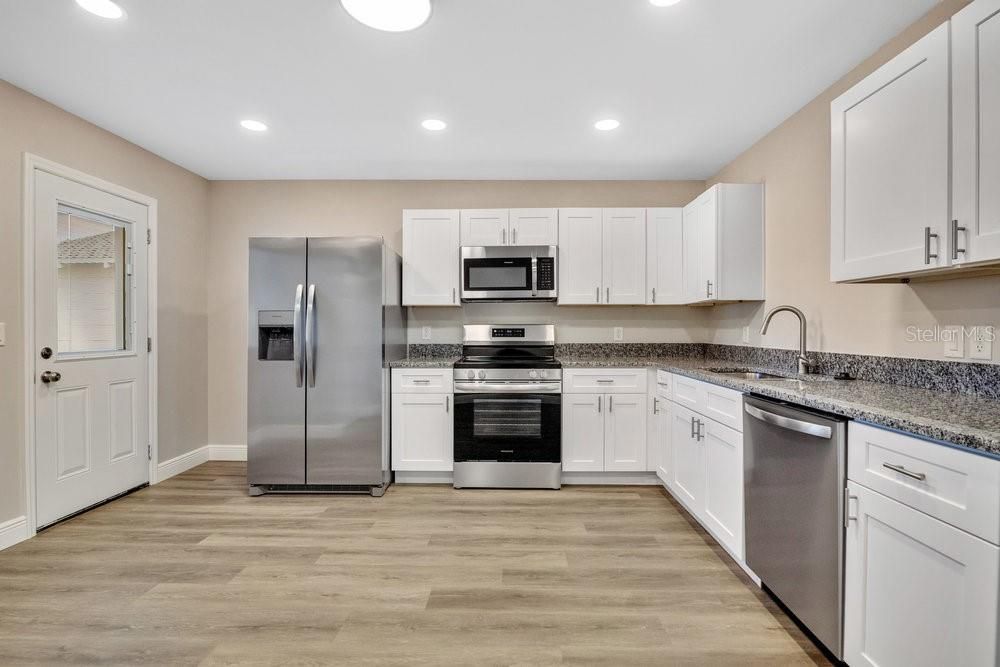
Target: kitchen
pixel 651 354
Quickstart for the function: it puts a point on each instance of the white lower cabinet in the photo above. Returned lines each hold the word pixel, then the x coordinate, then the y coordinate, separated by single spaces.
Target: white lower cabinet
pixel 723 487
pixel 660 450
pixel 688 475
pixel 604 432
pixel 917 590
pixel 422 432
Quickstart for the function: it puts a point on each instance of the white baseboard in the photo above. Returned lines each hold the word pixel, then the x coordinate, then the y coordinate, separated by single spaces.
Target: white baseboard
pixel 409 477
pixel 179 464
pixel 227 452
pixel 13 531
pixel 569 478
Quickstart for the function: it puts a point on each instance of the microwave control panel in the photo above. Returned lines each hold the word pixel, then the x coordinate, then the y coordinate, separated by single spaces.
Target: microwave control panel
pixel 546 273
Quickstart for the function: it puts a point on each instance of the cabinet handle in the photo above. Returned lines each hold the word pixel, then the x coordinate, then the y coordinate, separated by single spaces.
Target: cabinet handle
pixel 919 476
pixel 447 403
pixel 611 403
pixel 597 294
pixel 503 237
pixel 453 295
pixel 514 234
pixel 598 403
pixel 708 289
pixel 692 427
pixel 607 297
pixel 955 229
pixel 701 430
pixel 654 295
pixel 847 508
pixel 656 406
pixel 421 382
pixel 604 380
pixel 928 255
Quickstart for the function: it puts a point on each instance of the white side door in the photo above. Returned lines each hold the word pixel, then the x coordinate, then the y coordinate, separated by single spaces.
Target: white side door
pixel 431 262
pixel 481 227
pixel 624 265
pixel 890 137
pixel 975 35
pixel 625 433
pixel 688 473
pixel 580 256
pixel 90 360
pixel 664 256
pixel 916 590
pixel 534 226
pixel 691 244
pixel 583 432
pixel 664 456
pixel 708 245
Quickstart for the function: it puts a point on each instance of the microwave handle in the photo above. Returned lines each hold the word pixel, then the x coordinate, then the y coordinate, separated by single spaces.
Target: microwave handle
pixel 534 274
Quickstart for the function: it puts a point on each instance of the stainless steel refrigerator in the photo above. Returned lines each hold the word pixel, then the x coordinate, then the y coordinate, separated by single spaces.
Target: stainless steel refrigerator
pixel 325 317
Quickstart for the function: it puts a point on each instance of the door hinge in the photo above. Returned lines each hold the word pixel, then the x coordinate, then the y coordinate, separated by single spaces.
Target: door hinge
pixel 149 452
pixel 149 345
pixel 149 236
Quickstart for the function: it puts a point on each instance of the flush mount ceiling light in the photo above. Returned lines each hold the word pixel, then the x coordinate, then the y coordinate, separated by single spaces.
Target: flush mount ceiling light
pixel 663 3
pixel 103 8
pixel 253 125
pixel 434 124
pixel 389 15
pixel 607 124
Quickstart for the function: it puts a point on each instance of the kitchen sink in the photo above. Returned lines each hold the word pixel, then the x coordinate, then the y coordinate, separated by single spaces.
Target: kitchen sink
pixel 749 374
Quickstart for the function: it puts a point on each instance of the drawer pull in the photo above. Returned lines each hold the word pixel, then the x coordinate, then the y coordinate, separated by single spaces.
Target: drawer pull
pixel 421 381
pixel 605 381
pixel 919 476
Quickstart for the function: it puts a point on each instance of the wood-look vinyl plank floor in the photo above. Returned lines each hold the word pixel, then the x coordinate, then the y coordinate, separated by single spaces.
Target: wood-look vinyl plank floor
pixel 192 571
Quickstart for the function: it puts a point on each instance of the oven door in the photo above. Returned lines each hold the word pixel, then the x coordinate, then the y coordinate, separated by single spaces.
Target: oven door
pixel 521 427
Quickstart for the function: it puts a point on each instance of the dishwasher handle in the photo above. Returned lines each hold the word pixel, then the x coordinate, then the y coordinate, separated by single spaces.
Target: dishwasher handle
pixel 817 430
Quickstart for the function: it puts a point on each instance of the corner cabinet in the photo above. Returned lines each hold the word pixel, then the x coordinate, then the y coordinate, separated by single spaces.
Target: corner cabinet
pixel 915 158
pixel 431 258
pixel 723 245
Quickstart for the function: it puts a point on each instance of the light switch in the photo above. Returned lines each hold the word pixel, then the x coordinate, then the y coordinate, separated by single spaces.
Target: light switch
pixel 619 334
pixel 3 334
pixel 425 333
pixel 981 343
pixel 954 342
pixel 746 335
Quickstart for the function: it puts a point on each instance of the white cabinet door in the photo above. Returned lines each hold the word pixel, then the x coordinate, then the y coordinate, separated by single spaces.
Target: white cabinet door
pixel 688 473
pixel 889 166
pixel 580 256
pixel 700 222
pixel 664 454
pixel 625 432
pixel 430 258
pixel 534 226
pixel 422 432
pixel 691 240
pixel 583 432
pixel 624 265
pixel 485 227
pixel 723 500
pixel 917 591
pixel 664 256
pixel 975 33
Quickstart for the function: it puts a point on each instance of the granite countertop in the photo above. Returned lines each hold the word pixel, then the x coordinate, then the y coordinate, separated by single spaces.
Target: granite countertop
pixel 961 419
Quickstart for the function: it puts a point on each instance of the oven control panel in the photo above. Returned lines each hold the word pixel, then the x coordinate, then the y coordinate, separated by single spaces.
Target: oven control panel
pixel 507 332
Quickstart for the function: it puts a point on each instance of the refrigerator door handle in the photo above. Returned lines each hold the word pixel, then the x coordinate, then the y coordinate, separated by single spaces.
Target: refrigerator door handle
pixel 311 336
pixel 297 337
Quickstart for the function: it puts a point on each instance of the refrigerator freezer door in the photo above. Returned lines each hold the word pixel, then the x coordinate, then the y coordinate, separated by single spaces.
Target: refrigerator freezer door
pixel 344 394
pixel 275 392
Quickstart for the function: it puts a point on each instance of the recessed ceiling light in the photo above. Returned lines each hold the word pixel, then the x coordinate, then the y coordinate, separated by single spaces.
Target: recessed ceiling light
pixel 434 124
pixel 389 15
pixel 253 125
pixel 663 3
pixel 607 124
pixel 103 8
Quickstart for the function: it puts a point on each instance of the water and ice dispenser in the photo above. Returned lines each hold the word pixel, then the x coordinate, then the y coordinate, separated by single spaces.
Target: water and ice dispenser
pixel 275 331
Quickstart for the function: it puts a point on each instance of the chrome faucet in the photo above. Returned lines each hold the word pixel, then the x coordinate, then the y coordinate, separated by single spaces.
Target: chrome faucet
pixel 805 366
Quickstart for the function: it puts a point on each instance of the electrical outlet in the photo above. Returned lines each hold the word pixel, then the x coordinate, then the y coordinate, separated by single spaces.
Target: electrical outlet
pixel 981 343
pixel 425 333
pixel 746 335
pixel 954 342
pixel 619 334
pixel 3 334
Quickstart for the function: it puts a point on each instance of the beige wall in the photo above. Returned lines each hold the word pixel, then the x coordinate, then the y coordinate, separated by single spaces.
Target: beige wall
pixel 241 209
pixel 28 124
pixel 794 163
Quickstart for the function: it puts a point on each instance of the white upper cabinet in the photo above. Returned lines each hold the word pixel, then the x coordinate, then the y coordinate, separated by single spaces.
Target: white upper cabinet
pixel 664 256
pixel 890 136
pixel 975 33
pixel 624 266
pixel 430 258
pixel 723 241
pixel 534 226
pixel 485 227
pixel 580 256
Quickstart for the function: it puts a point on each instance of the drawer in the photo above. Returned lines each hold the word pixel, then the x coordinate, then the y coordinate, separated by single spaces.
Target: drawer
pixel 664 383
pixel 604 380
pixel 687 392
pixel 959 488
pixel 422 380
pixel 722 404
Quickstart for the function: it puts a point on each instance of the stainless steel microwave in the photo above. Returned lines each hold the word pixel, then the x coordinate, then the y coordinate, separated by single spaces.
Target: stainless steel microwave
pixel 509 273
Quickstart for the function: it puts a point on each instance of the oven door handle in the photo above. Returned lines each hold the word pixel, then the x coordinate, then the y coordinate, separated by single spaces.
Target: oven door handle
pixel 508 387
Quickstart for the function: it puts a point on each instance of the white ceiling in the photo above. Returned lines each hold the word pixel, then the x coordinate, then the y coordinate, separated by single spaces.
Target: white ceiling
pixel 520 82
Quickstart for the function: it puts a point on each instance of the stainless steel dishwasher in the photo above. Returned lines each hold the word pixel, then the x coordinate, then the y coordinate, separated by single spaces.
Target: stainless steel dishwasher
pixel 794 469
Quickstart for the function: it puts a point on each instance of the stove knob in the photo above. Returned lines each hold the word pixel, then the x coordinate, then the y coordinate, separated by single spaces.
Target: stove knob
pixel 472 375
pixel 542 374
pixel 482 375
pixel 533 374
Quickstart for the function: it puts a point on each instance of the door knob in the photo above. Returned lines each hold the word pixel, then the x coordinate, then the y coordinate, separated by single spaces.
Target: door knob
pixel 51 376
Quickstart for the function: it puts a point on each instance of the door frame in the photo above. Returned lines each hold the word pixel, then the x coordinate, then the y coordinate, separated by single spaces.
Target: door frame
pixel 30 164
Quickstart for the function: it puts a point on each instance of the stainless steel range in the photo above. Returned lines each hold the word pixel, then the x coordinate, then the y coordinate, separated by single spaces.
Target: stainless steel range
pixel 508 408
